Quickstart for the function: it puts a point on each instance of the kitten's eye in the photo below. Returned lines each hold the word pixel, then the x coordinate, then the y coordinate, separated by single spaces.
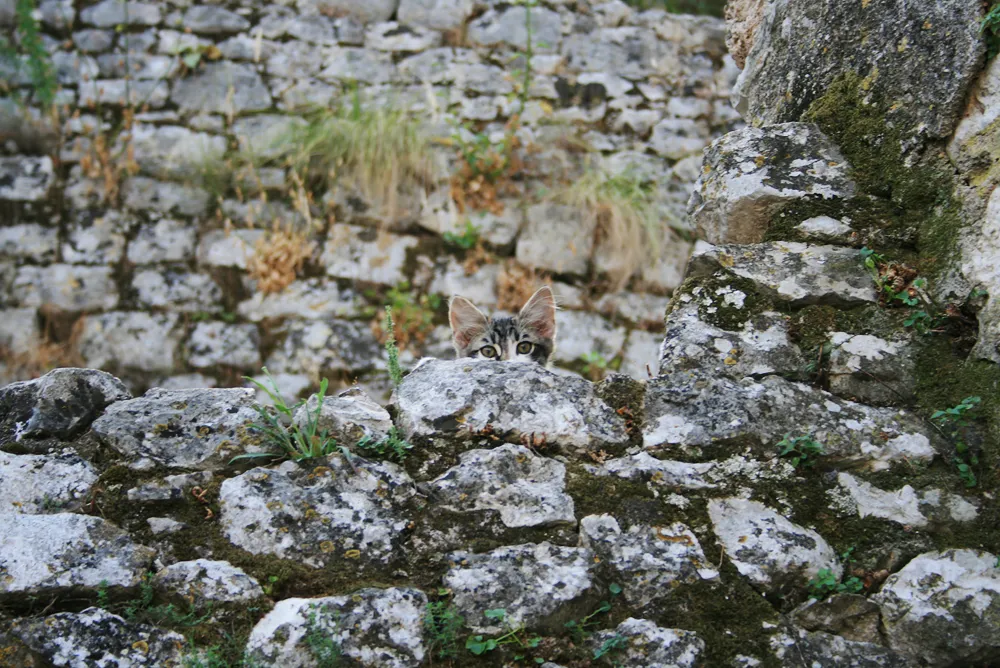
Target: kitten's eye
pixel 488 352
pixel 525 348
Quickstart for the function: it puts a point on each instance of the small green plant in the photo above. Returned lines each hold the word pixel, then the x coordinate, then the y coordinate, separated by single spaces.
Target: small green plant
pixel 319 637
pixel 514 635
pixel 615 643
pixel 28 43
pixel 103 599
pixel 581 630
pixel 442 624
pixel 413 315
pixel 990 26
pixel 594 365
pixel 142 602
pixel 800 450
pixel 272 582
pixel 826 583
pixel 392 446
pixel 953 423
pixel 295 441
pixel 391 350
pixel 466 240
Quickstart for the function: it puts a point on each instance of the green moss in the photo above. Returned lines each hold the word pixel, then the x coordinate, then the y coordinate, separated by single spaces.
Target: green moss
pixel 731 315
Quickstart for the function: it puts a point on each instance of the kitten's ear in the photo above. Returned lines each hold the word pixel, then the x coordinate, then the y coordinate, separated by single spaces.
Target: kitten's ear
pixel 466 320
pixel 540 313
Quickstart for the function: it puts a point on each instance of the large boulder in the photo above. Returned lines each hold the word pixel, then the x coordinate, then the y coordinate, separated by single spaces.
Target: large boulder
pixel 461 398
pixel 943 608
pixel 750 175
pixel 920 56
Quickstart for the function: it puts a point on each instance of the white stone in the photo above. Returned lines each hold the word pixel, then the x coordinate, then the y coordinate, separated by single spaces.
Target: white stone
pixel 36 484
pixel 365 254
pixel 204 581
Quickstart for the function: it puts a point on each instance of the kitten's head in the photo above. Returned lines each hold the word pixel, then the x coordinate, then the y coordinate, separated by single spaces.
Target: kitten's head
pixel 530 336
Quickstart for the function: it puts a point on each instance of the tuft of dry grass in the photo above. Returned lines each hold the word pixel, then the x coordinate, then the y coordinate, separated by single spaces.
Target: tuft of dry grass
pixel 279 257
pixel 111 165
pixel 47 355
pixel 627 228
pixel 515 285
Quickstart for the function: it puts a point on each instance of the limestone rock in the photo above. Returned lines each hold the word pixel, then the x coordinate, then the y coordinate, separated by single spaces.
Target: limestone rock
pixel 365 12
pixel 213 343
pixel 793 272
pixel 543 243
pixel 195 429
pixel 650 646
pixel 234 248
pixel 649 562
pixel 641 357
pixel 66 287
pixel 529 581
pixel 776 555
pixel 975 146
pixel 170 488
pixel 45 555
pixel 391 36
pixel 214 20
pixel 525 489
pixel 750 175
pixel 480 287
pixel 374 628
pixel 435 14
pixel 871 369
pixel 688 408
pixel 581 334
pixel 345 511
pixel 202 582
pixel 96 239
pixel 514 399
pixel 200 91
pixel 177 290
pixel 942 608
pixel 131 340
pixel 793 646
pixel 920 57
pixel 175 152
pixel 826 230
pixel 309 299
pixel 507 26
pixel 159 526
pixel 852 616
pixel 365 254
pixel 658 472
pixel 320 348
pixel 37 484
pixel 743 17
pixel 979 245
pixel 96 637
pixel 348 417
pixel 31 242
pixel 142 193
pixel 62 403
pixel 110 13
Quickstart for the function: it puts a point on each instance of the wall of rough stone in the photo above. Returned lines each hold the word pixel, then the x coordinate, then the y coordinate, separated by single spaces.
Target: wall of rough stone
pixel 150 281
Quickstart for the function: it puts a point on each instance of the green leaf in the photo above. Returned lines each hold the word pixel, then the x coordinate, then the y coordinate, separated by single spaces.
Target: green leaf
pixel 191 60
pixel 615 589
pixel 496 613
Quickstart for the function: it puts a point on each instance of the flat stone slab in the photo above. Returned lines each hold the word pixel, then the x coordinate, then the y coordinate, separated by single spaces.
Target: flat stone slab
pixel 39 484
pixel 459 398
pixel 647 645
pixel 525 489
pixel 376 628
pixel 45 555
pixel 203 581
pixel 25 179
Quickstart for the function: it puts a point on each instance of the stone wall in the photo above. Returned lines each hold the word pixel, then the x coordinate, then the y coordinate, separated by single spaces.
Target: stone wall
pixel 136 264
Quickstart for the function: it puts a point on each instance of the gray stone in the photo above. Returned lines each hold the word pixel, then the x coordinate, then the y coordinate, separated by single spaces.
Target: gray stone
pixel 794 646
pixel 480 287
pixel 852 616
pixel 143 194
pixel 941 608
pixel 50 555
pixel 213 343
pixel 440 15
pixel 374 628
pixel 649 562
pixel 177 290
pixel 530 582
pixel 96 239
pixel 310 299
pixel 641 357
pixel 131 340
pixel 366 12
pixel 870 369
pixel 37 484
pixel 228 248
pixel 650 646
pixel 293 61
pixel 166 240
pixel 975 146
pixel 689 408
pixel 348 417
pixel 175 152
pixel 96 637
pixel 556 238
pixel 159 526
pixel 825 229
pixel 776 555
pixel 203 582
pixel 19 330
pixel 266 136
pixel 904 506
pixel 57 14
pixel 365 254
pixel 74 68
pixel 515 399
pixel 481 78
pixel 797 273
pixel 188 429
pixel 979 246
pixel 315 29
pixel 29 241
pixel 919 57
pixel 582 334
pixel 630 52
pixel 761 346
pixel 139 66
pixel 678 138
pixel 658 472
pixel 214 20
pixel 61 403
pixel 348 511
pixel 750 175
pixel 638 308
pixel 110 13
pixel 526 490
pixel 170 488
pixel 205 90
pixel 391 36
pixel 125 92
pixel 25 179
pixel 320 348
pixel 507 27
pixel 66 287
pixel 93 41
pixel 351 64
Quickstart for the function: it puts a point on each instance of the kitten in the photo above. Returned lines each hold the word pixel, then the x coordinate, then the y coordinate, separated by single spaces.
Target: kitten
pixel 530 336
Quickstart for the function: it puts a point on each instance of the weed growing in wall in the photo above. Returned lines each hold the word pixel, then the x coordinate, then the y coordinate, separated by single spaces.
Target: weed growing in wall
pixel 800 450
pixel 954 423
pixel 25 49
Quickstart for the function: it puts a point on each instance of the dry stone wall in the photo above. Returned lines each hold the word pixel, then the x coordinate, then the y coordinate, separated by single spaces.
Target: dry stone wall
pixel 136 263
